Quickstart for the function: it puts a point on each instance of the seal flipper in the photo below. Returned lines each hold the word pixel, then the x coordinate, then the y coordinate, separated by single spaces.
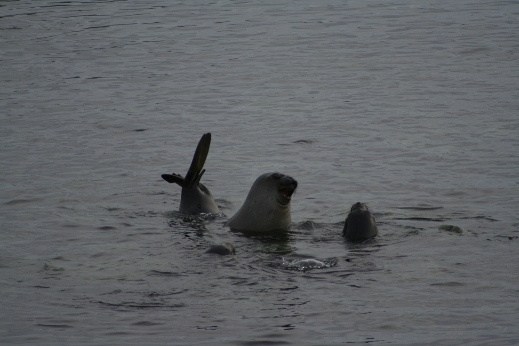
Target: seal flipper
pixel 195 172
pixel 174 178
pixel 195 198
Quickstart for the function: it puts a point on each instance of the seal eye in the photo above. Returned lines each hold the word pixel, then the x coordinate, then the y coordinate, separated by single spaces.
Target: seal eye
pixel 276 176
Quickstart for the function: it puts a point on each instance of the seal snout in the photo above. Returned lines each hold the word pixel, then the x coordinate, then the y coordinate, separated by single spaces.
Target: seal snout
pixel 359 207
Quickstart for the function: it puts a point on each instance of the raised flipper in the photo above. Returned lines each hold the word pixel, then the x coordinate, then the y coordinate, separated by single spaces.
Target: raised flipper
pixel 174 178
pixel 195 172
pixel 196 198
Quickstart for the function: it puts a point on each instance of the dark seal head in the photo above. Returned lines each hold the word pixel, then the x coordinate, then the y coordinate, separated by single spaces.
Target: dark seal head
pixel 360 224
pixel 222 249
pixel 267 206
pixel 196 197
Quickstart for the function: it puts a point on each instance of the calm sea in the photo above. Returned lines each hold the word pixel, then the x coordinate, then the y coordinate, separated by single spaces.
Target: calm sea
pixel 409 106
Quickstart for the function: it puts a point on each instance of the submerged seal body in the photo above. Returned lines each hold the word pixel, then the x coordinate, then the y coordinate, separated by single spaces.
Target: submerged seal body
pixel 267 206
pixel 360 223
pixel 195 198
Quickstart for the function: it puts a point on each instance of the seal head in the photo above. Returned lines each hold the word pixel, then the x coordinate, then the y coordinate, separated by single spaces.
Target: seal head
pixel 360 224
pixel 267 206
pixel 196 197
pixel 222 249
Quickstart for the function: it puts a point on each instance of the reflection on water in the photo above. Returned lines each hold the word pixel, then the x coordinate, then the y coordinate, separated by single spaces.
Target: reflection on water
pixel 410 108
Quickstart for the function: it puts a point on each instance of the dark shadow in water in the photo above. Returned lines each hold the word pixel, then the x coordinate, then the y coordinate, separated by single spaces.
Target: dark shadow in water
pixel 419 208
pixel 165 273
pixel 275 242
pixel 126 306
pixel 420 213
pixel 369 245
pixel 190 223
pixel 275 235
pixel 487 218
pixel 421 218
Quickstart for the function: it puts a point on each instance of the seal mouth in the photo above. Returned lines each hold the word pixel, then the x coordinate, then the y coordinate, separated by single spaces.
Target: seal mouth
pixel 286 189
pixel 287 192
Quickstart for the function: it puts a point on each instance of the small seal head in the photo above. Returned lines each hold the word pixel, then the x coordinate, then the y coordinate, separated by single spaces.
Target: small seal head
pixel 360 224
pixel 222 249
pixel 196 197
pixel 267 206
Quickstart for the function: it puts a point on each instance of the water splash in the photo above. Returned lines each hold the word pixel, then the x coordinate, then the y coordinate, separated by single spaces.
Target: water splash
pixel 307 264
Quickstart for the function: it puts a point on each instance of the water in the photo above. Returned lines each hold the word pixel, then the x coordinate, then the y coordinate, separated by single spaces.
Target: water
pixel 410 107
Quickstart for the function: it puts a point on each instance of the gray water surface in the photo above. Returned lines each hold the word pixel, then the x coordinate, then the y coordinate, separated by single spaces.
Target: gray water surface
pixel 408 106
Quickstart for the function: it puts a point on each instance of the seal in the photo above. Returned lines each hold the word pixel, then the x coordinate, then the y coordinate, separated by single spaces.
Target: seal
pixel 222 249
pixel 360 224
pixel 267 206
pixel 196 197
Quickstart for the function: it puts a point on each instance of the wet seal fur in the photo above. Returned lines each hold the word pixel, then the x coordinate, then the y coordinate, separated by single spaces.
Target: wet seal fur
pixel 267 206
pixel 195 198
pixel 360 223
pixel 222 249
